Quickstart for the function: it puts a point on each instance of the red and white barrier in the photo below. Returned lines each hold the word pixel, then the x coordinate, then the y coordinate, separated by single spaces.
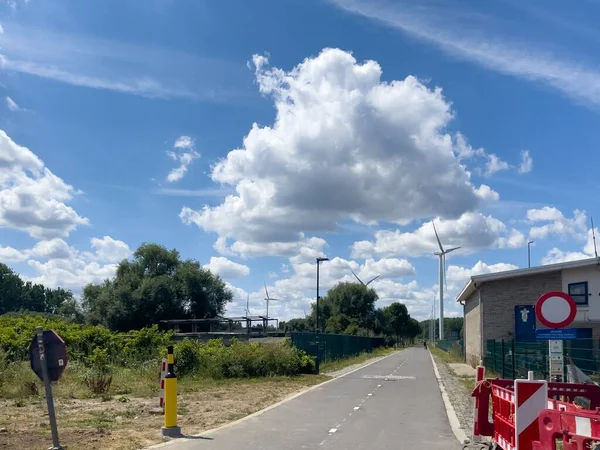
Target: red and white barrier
pixel 526 415
pixel 479 377
pixel 531 397
pixel 163 373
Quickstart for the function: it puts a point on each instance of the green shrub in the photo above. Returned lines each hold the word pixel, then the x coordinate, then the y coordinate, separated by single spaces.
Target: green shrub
pixel 188 357
pixel 16 332
pixel 95 352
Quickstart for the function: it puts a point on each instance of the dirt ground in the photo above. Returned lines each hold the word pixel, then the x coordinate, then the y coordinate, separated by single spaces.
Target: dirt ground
pixel 124 423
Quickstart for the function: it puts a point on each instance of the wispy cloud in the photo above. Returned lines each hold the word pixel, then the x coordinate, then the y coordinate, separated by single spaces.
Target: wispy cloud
pixel 194 192
pixel 146 87
pixel 184 154
pixel 127 68
pixel 445 29
pixel 526 162
pixel 11 104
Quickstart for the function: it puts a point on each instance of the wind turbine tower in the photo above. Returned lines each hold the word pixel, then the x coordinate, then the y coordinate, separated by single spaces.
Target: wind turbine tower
pixel 442 255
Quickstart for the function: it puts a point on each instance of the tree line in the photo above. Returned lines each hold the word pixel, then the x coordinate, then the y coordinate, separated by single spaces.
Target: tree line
pixel 156 284
pixel 350 308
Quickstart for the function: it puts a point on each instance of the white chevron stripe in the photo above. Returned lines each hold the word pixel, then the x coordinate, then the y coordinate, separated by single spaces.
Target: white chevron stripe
pixel 530 410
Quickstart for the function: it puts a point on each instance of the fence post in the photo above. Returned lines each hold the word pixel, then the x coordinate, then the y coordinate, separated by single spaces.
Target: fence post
pixel 514 367
pixel 503 358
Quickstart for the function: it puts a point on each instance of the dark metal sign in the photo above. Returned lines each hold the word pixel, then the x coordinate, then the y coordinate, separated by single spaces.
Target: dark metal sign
pixel 53 350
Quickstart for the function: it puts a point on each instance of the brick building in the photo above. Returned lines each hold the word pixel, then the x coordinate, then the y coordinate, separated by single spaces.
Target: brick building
pixel 495 303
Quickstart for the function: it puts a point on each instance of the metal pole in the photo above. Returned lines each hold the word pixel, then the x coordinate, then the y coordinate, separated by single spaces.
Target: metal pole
pixel 318 357
pixel 529 253
pixel 318 328
pixel 441 299
pixel 49 399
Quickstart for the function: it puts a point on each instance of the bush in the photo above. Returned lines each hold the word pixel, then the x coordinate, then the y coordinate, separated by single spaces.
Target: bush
pixel 16 332
pixel 98 375
pixel 240 360
pixel 95 352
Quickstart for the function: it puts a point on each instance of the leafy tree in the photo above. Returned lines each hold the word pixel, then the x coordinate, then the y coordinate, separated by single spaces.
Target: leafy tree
pixel 397 319
pixel 413 329
pixel 155 285
pixel 16 295
pixel 295 325
pixel 352 302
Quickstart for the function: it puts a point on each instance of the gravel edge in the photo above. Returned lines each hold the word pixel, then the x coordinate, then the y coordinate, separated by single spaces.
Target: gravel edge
pixel 458 394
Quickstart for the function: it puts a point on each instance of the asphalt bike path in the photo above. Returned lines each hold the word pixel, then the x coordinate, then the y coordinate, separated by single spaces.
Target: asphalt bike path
pixel 394 403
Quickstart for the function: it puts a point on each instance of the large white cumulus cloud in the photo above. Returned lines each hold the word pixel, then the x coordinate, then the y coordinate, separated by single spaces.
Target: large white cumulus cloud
pixel 32 198
pixel 344 145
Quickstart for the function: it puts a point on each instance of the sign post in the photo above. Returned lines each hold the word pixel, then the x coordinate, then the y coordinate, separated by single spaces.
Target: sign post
pixel 48 358
pixel 555 310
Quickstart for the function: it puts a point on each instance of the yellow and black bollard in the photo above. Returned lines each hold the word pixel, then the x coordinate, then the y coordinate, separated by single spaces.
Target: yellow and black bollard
pixel 170 429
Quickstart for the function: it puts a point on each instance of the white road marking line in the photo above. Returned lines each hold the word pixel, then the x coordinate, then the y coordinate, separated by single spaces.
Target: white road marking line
pixel 333 430
pixel 323 442
pixel 369 395
pixel 356 407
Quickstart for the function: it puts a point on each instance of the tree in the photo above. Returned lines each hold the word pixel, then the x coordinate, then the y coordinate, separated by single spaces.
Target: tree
pixel 155 285
pixel 294 325
pixel 16 295
pixel 413 329
pixel 351 302
pixel 397 319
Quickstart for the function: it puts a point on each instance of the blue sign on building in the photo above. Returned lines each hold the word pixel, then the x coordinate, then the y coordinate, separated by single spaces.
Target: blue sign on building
pixel 556 334
pixel 525 323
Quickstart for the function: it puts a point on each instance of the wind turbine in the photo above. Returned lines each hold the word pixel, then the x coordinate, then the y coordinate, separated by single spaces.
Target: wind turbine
pixel 442 255
pixel 248 306
pixel 360 281
pixel 268 299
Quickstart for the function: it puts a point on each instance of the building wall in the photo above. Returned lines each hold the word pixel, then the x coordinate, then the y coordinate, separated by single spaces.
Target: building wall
pixel 500 297
pixel 472 326
pixel 592 276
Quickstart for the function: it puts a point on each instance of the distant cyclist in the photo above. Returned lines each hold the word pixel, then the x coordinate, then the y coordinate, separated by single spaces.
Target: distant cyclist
pixel 425 345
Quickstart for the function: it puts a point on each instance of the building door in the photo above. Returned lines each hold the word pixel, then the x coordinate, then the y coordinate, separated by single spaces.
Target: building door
pixel 525 323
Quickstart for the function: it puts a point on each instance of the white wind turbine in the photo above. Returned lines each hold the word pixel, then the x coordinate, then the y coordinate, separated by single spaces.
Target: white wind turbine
pixel 268 299
pixel 442 255
pixel 360 281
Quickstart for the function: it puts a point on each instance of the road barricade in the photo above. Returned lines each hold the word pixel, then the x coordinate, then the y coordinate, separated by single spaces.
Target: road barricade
pixel 535 415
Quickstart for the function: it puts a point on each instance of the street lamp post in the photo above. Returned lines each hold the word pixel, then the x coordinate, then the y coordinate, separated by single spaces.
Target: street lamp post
pixel 529 253
pixel 317 358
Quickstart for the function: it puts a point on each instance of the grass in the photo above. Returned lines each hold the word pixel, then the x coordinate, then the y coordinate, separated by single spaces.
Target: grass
pixel 338 364
pixel 121 418
pixel 125 422
pixel 447 357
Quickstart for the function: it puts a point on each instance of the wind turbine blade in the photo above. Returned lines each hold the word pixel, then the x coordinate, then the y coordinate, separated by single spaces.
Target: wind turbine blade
pixel 356 276
pixel 451 249
pixel 266 291
pixel 371 280
pixel 437 237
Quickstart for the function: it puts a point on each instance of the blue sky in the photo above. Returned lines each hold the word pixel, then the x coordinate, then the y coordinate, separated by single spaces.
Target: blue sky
pixel 255 136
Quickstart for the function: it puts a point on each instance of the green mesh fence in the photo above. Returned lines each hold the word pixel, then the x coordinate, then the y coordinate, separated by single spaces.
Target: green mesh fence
pixel 510 359
pixel 334 346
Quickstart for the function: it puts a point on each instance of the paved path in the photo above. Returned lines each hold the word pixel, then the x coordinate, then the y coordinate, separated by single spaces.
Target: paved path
pixel 359 411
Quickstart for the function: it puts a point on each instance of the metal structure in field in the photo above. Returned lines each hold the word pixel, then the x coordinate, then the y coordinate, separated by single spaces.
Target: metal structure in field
pixel 221 325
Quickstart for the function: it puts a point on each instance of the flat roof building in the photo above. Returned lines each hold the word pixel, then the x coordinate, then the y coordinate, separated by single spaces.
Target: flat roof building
pixel 501 305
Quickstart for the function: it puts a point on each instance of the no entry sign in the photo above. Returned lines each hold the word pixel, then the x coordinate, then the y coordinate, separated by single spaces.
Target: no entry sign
pixel 555 309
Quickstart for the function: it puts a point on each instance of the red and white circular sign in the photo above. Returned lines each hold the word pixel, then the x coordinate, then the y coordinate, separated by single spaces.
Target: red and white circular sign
pixel 555 309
